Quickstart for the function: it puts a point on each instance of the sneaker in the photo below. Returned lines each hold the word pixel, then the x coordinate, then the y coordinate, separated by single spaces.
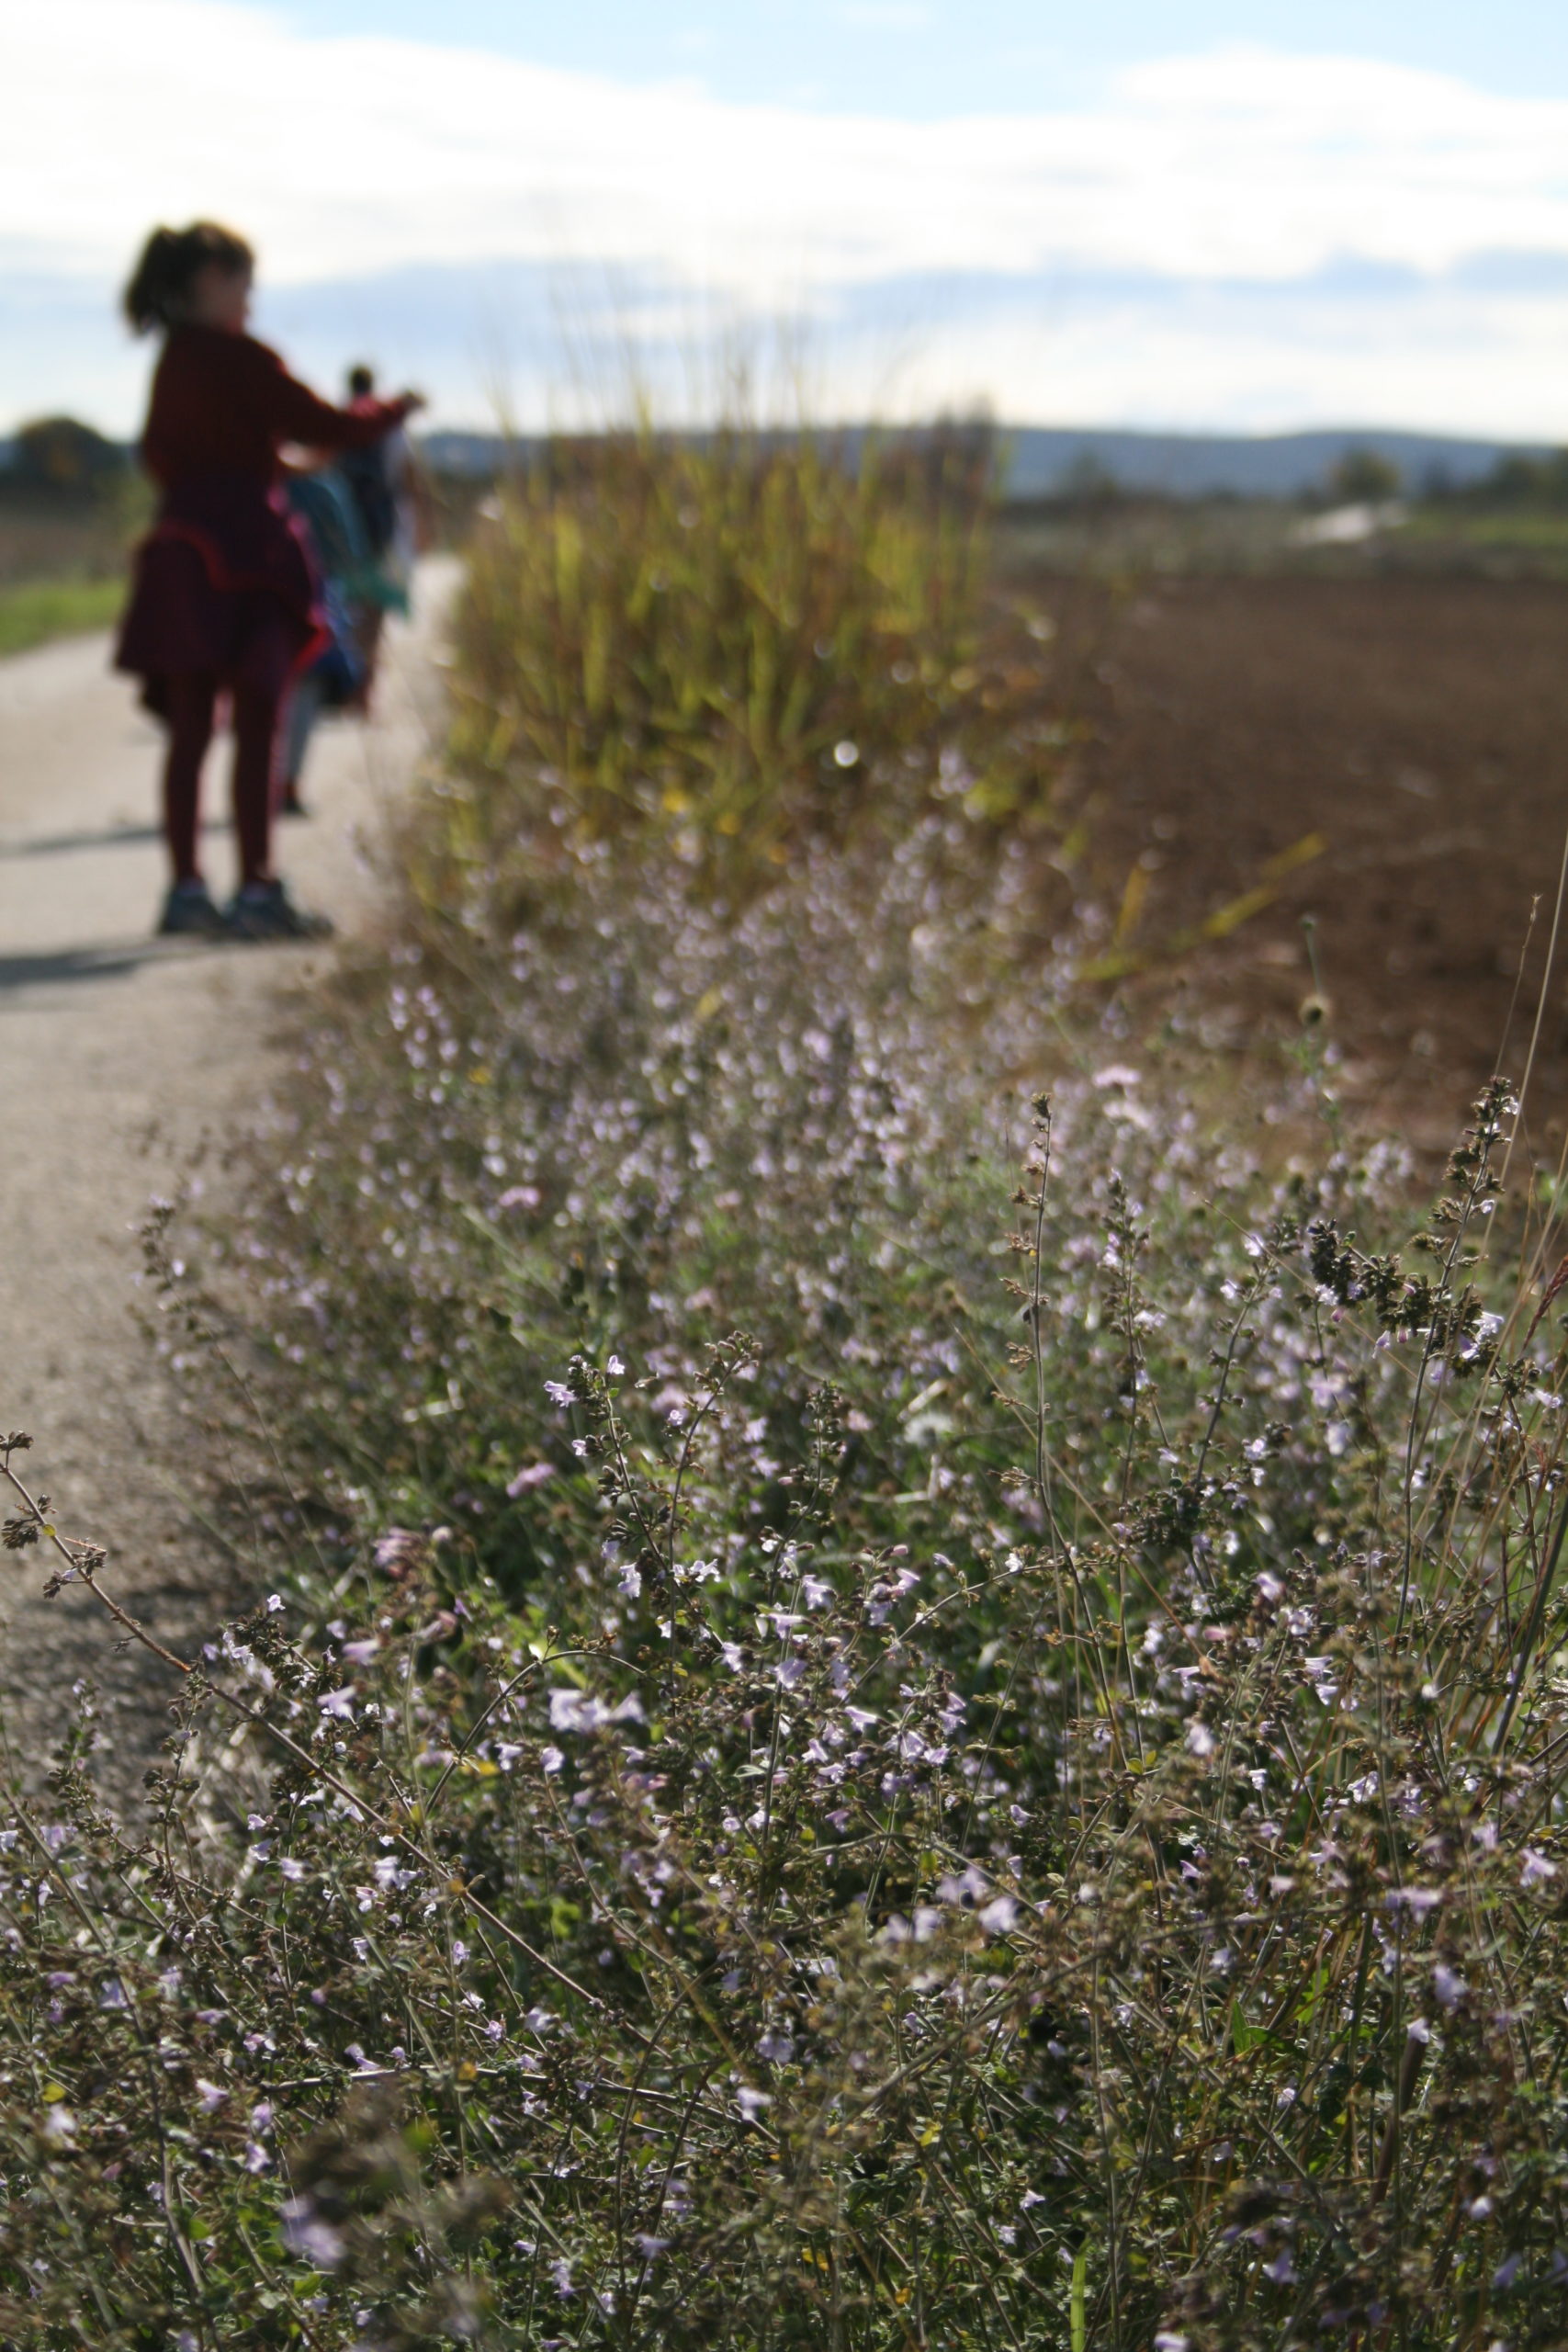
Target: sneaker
pixel 188 912
pixel 292 805
pixel 265 910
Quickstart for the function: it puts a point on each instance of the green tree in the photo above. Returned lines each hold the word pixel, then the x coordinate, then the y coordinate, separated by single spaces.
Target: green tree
pixel 1363 478
pixel 61 453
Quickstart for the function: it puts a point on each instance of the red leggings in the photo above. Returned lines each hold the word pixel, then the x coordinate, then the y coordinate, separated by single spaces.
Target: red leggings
pixel 192 701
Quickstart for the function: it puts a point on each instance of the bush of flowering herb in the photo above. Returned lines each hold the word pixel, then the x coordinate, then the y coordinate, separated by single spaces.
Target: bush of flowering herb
pixel 1134 1920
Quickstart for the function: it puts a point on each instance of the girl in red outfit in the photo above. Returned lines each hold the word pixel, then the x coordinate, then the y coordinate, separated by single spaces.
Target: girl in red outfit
pixel 225 595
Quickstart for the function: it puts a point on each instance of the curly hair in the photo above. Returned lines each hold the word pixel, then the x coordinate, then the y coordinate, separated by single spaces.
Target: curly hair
pixel 170 263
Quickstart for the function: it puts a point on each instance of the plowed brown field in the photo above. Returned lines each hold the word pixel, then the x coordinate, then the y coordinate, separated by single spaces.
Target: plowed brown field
pixel 1420 726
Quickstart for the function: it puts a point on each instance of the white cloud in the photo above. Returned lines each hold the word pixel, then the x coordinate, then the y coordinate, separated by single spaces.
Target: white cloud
pixel 346 158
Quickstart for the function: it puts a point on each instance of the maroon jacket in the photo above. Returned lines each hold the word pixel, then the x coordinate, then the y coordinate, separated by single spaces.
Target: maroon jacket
pixel 225 584
pixel 224 403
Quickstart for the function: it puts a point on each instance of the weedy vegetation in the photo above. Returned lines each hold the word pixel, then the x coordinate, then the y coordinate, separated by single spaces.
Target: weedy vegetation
pixel 897 1712
pixel 36 611
pixel 718 640
pixel 63 551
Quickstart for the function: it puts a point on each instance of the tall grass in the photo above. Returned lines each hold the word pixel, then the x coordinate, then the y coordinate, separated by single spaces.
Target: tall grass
pixel 721 639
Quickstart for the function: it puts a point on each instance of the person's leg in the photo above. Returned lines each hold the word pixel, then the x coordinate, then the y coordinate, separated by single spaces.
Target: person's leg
pixel 373 621
pixel 298 722
pixel 190 705
pixel 257 714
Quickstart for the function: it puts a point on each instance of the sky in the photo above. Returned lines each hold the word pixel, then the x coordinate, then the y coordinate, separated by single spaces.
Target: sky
pixel 1204 217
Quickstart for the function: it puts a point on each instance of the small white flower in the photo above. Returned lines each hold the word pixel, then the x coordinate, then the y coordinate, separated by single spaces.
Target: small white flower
pixel 751 2102
pixel 1417 1899
pixel 1535 1869
pixel 576 1711
pixel 313 2240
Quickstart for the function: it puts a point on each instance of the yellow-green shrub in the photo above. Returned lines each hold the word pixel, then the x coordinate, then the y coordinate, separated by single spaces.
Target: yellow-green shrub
pixel 722 635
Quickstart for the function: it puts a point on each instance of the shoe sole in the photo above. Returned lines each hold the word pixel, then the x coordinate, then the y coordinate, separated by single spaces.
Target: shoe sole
pixel 215 929
pixel 264 933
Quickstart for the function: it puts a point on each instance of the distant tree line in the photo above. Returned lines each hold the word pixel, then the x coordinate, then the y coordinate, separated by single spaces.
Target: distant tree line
pixel 1363 476
pixel 1516 480
pixel 1088 486
pixel 62 457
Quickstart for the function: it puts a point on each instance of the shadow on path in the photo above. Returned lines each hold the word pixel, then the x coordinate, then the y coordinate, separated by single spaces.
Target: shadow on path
pixel 45 967
pixel 110 837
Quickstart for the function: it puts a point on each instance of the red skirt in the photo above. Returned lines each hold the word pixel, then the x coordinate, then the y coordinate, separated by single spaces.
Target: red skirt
pixel 224 587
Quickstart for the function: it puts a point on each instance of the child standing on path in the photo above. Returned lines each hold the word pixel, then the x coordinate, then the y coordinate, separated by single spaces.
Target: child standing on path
pixel 225 599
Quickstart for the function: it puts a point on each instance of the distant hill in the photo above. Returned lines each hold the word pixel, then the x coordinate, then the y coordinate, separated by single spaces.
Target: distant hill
pixel 1046 459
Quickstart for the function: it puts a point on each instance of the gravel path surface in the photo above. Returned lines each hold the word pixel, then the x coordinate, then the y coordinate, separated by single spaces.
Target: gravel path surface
pixel 119 1056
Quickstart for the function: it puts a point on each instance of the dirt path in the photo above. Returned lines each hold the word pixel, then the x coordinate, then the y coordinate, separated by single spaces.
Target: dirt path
pixel 118 1055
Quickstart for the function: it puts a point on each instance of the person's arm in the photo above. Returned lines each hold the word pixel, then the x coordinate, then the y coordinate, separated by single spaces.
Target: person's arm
pixel 293 413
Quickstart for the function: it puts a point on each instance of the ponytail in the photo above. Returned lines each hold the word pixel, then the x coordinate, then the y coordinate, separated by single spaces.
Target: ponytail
pixel 171 260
